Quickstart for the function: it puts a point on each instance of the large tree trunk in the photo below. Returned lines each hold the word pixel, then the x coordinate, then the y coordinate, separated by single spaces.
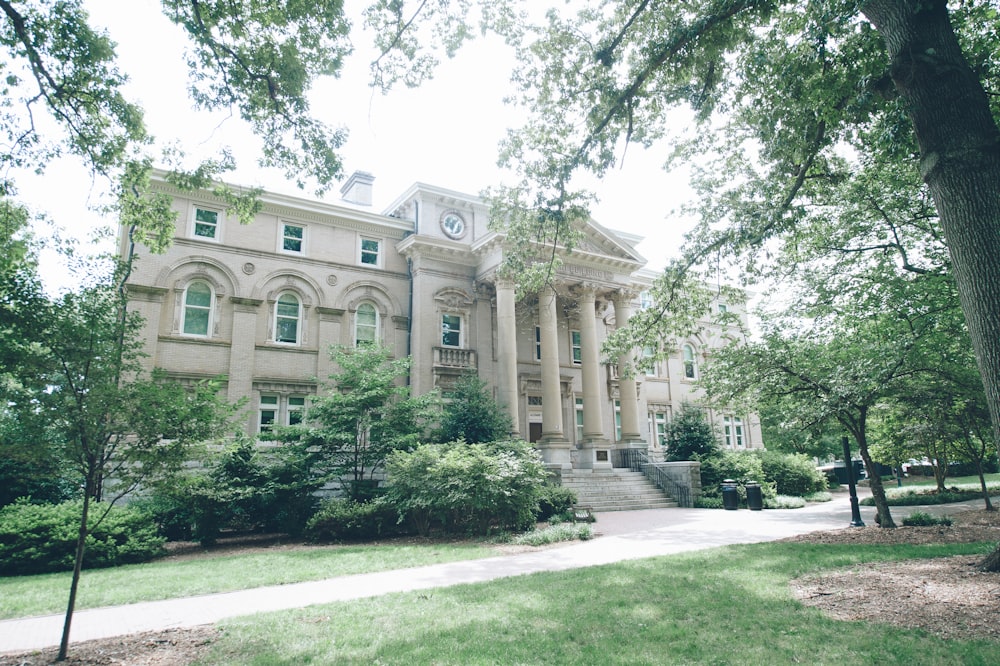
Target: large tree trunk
pixel 884 516
pixel 960 161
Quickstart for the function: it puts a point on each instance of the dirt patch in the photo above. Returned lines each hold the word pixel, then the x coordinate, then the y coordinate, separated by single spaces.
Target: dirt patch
pixel 948 597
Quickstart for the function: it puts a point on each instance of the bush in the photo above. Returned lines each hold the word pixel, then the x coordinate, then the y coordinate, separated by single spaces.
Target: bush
pixel 461 487
pixel 923 519
pixel 555 501
pixel 792 473
pixel 784 502
pixel 554 534
pixel 341 519
pixel 42 538
pixel 704 502
pixel 819 496
pixel 741 466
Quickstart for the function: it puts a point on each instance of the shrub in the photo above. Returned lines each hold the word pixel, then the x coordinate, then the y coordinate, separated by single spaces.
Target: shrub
pixel 705 502
pixel 690 436
pixel 923 519
pixel 554 534
pixel 473 488
pixel 42 538
pixel 741 466
pixel 792 473
pixel 555 501
pixel 784 502
pixel 819 496
pixel 341 519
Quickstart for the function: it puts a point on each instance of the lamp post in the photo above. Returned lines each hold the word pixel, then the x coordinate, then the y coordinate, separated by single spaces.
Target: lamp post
pixel 855 509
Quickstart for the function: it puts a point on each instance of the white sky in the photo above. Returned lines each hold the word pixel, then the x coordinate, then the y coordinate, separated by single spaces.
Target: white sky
pixel 445 133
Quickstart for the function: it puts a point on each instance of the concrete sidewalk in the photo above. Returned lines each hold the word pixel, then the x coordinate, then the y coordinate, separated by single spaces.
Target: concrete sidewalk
pixel 623 536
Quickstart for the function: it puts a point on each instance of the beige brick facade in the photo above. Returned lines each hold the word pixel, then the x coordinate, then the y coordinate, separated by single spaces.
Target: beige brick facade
pixel 261 304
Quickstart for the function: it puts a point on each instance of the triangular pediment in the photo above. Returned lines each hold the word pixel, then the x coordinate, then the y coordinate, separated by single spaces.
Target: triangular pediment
pixel 601 241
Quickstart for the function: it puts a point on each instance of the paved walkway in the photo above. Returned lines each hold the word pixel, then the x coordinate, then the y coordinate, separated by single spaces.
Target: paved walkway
pixel 625 535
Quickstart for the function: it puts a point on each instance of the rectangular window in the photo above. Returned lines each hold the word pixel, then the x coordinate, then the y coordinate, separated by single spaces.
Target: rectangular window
pixel 723 308
pixel 648 361
pixel 579 419
pixel 369 251
pixel 658 427
pixel 732 427
pixel 293 237
pixel 576 350
pixel 645 300
pixel 296 405
pixel 451 330
pixel 268 413
pixel 538 343
pixel 618 420
pixel 206 223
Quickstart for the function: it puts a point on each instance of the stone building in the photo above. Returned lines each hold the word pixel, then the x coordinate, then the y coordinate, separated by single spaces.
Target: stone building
pixel 261 304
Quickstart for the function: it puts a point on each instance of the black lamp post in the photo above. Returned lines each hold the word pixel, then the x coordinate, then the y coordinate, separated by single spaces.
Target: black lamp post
pixel 855 509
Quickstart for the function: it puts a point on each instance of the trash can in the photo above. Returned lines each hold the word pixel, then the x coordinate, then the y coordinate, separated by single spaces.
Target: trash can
pixel 730 496
pixel 755 500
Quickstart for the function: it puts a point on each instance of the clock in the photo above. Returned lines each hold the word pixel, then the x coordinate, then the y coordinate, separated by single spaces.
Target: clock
pixel 453 225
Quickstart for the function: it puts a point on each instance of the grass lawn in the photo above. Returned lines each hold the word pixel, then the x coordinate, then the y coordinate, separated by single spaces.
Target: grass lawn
pixel 728 605
pixel 992 481
pixel 22 596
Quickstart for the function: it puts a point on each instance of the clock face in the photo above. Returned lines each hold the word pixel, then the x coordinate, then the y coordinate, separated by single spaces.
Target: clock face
pixel 453 225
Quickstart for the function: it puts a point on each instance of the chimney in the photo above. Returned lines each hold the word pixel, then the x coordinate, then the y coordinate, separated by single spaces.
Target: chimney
pixel 358 188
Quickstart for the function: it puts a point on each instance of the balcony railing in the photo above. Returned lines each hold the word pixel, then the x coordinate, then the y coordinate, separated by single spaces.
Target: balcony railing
pixel 450 357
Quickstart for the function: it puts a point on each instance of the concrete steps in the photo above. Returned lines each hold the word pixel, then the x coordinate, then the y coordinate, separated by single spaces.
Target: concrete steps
pixel 615 490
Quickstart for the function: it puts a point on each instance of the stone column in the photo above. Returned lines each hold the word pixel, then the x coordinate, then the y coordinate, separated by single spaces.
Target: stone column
pixel 241 354
pixel 593 423
pixel 554 445
pixel 628 394
pixel 552 422
pixel 507 351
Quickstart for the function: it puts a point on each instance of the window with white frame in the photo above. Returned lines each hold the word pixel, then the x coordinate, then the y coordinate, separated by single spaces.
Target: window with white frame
pixel 723 308
pixel 365 325
pixel 370 254
pixel 732 428
pixel 293 238
pixel 578 404
pixel 658 427
pixel 287 319
pixel 451 330
pixel 205 224
pixel 267 414
pixel 296 408
pixel 649 361
pixel 618 420
pixel 575 347
pixel 277 410
pixel 196 318
pixel 538 343
pixel 690 362
pixel 645 300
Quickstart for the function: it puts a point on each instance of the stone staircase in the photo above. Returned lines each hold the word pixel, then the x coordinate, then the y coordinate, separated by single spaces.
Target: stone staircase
pixel 615 490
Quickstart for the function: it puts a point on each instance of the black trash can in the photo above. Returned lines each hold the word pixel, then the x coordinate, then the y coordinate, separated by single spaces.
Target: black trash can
pixel 730 496
pixel 755 500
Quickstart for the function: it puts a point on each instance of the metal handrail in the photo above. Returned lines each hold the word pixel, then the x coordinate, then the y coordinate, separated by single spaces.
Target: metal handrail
pixel 636 460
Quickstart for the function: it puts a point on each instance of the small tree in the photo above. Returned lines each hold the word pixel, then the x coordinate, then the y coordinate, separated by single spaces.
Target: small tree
pixel 347 433
pixel 472 414
pixel 690 436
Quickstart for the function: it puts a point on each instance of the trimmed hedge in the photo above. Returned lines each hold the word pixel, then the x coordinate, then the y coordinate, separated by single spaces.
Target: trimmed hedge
pixel 41 538
pixel 342 519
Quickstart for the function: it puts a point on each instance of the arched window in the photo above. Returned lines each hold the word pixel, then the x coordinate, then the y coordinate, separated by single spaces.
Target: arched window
pixel 197 317
pixel 690 364
pixel 365 325
pixel 287 316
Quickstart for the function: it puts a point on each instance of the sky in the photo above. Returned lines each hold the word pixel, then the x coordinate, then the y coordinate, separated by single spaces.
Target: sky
pixel 445 133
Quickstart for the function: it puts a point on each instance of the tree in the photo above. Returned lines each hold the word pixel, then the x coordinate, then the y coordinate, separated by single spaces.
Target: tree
pixel 472 414
pixel 73 385
pixel 366 413
pixel 690 436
